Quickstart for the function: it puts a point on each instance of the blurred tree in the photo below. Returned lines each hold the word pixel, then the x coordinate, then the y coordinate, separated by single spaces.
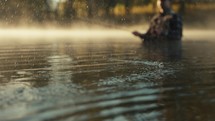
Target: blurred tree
pixel 154 5
pixel 90 8
pixel 182 7
pixel 109 6
pixel 11 11
pixel 142 2
pixel 128 5
pixel 15 11
pixel 70 12
pixel 38 8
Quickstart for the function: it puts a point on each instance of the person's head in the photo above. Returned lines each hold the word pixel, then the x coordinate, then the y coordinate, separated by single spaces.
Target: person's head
pixel 163 5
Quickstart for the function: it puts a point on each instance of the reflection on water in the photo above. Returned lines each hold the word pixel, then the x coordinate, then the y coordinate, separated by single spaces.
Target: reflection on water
pixel 170 50
pixel 107 80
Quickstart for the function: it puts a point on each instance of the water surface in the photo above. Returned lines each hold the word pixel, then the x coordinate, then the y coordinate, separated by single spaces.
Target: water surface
pixel 107 80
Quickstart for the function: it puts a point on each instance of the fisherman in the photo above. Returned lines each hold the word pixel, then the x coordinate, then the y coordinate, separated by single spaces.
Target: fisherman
pixel 165 25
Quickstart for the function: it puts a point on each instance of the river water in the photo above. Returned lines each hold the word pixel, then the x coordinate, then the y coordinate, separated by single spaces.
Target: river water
pixel 107 79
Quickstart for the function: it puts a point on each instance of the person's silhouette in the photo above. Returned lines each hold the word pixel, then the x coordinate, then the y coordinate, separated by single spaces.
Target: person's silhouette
pixel 165 25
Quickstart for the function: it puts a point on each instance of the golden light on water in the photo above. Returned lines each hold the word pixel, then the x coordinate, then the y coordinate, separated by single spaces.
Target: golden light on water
pixel 199 35
pixel 63 33
pixel 97 34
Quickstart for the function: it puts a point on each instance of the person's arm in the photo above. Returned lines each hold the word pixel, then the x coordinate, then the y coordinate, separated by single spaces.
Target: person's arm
pixel 150 32
pixel 136 33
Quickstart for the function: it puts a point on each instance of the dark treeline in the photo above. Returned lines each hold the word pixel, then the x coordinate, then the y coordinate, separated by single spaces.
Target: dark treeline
pixel 29 11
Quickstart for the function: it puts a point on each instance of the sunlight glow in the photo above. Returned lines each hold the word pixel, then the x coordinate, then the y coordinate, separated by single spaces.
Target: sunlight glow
pixel 87 34
pixel 63 33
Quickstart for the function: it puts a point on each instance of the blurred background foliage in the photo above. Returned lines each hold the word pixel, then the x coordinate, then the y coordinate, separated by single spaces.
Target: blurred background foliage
pixel 16 12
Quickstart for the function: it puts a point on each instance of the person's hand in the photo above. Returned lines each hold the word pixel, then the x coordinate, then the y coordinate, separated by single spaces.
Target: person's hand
pixel 136 33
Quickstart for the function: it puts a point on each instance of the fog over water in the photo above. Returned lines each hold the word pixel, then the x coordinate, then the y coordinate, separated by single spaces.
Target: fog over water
pixel 93 32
